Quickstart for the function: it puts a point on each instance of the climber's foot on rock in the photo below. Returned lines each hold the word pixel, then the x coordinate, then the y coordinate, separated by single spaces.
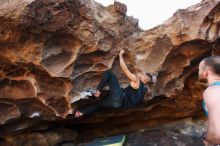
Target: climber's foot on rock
pixel 95 93
pixel 78 114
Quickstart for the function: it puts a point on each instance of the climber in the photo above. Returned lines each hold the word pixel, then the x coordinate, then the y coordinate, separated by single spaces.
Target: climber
pixel 209 70
pixel 118 97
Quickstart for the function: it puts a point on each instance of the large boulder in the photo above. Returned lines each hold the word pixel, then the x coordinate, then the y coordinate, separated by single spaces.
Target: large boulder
pixel 52 50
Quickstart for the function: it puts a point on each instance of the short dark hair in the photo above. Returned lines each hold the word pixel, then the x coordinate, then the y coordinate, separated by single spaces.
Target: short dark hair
pixel 151 77
pixel 213 63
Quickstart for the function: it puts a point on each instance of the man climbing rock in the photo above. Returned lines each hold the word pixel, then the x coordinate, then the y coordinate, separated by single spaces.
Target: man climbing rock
pixel 209 69
pixel 118 97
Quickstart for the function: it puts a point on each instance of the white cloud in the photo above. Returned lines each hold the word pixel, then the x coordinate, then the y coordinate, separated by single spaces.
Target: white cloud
pixel 152 12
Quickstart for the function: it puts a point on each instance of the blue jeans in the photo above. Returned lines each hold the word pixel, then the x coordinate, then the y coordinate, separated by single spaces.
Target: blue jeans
pixel 113 99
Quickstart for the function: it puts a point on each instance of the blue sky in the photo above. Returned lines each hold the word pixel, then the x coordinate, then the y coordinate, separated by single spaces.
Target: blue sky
pixel 152 12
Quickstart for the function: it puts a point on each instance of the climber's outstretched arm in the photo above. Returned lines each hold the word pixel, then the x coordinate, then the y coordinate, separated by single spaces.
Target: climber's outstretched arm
pixel 125 69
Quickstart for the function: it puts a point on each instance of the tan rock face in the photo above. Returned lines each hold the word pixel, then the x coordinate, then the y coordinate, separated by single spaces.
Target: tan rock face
pixel 51 50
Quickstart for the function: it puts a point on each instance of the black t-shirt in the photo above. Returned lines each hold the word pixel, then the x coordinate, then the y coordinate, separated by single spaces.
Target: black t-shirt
pixel 131 96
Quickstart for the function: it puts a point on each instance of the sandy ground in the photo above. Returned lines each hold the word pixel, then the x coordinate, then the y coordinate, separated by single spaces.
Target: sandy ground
pixel 185 133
